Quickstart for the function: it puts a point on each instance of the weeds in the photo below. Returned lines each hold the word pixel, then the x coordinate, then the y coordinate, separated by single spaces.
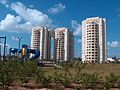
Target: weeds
pixel 22 72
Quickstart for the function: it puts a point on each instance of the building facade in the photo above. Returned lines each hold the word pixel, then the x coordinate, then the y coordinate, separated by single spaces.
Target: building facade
pixel 94 40
pixel 40 40
pixel 63 43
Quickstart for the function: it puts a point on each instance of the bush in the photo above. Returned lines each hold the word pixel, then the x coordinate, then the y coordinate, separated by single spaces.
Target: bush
pixel 5 75
pixel 15 71
pixel 63 77
pixel 46 80
pixel 111 80
pixel 41 78
pixel 66 77
pixel 57 76
pixel 39 75
pixel 79 68
pixel 89 80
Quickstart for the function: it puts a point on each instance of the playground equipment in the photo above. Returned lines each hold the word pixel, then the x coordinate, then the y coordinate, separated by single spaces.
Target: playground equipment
pixel 24 52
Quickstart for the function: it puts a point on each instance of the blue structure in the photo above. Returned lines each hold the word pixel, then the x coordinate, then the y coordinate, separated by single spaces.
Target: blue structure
pixel 25 51
pixel 114 57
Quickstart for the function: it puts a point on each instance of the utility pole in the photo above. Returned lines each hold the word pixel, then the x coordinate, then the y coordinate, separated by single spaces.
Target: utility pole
pixel 4 46
pixel 19 39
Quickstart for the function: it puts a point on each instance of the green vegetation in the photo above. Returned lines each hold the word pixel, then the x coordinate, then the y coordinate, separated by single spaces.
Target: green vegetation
pixel 14 72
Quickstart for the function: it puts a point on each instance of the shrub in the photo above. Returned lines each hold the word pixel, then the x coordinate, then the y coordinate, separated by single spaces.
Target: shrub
pixel 89 80
pixel 41 78
pixel 66 77
pixel 39 75
pixel 46 80
pixel 79 68
pixel 17 71
pixel 111 80
pixel 5 75
pixel 57 76
pixel 63 77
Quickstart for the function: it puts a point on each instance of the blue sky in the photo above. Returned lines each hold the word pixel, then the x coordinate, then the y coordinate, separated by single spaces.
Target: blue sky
pixel 18 16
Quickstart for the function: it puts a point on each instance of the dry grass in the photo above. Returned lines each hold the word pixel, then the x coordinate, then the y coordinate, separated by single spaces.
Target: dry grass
pixel 101 69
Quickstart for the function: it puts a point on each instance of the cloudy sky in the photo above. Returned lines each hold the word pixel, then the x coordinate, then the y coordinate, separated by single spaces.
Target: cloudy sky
pixel 17 17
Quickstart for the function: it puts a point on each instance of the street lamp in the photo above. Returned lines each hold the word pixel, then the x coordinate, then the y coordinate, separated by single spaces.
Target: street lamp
pixel 19 38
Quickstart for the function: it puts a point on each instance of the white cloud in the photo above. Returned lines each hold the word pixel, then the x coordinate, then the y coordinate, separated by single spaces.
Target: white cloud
pixel 77 27
pixel 56 8
pixel 114 44
pixel 9 21
pixel 6 5
pixel 14 38
pixel 31 6
pixel 79 40
pixel 13 24
pixel 31 15
pixel 3 1
pixel 118 11
pixel 25 20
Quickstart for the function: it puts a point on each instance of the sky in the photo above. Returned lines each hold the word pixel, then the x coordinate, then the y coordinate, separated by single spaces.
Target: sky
pixel 17 17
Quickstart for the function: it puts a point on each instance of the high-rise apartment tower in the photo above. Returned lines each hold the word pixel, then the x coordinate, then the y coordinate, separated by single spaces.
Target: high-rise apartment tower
pixel 40 40
pixel 64 44
pixel 94 40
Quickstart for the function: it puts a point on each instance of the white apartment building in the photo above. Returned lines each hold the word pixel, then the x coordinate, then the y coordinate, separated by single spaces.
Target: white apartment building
pixel 64 44
pixel 94 40
pixel 40 40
